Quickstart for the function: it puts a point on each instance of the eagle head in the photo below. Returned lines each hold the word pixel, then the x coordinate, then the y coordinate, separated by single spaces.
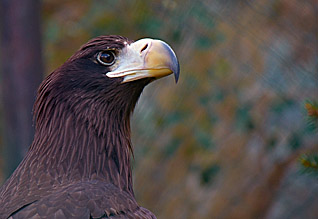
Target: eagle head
pixel 108 71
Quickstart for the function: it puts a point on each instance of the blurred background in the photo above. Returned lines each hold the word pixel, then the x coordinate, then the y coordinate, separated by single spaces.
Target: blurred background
pixel 229 140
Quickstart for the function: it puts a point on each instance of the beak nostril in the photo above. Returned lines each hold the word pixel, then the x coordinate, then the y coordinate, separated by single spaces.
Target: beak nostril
pixel 144 48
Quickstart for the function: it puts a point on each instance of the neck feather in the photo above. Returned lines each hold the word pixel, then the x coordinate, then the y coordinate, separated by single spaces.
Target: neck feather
pixel 85 138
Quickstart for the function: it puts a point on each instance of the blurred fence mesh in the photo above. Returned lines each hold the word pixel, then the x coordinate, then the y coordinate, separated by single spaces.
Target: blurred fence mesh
pixel 224 141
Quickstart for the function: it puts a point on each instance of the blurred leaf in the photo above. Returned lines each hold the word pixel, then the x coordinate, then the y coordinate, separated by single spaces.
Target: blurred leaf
pixel 208 174
pixel 244 120
pixel 171 149
pixel 204 139
pixel 295 141
pixel 281 104
pixel 312 112
pixel 309 164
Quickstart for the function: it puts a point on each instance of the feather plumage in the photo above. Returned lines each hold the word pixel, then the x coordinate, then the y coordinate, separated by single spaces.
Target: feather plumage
pixel 78 165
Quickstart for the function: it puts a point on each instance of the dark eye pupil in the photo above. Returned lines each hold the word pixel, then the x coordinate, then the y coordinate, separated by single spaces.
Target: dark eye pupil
pixel 106 58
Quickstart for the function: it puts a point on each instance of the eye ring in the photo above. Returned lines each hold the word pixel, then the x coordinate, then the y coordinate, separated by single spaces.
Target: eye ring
pixel 106 57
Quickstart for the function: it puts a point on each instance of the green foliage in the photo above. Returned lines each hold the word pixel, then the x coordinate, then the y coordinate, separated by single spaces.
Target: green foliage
pixel 309 164
pixel 171 149
pixel 244 120
pixel 209 173
pixel 312 115
pixel 280 105
pixel 204 139
pixel 295 141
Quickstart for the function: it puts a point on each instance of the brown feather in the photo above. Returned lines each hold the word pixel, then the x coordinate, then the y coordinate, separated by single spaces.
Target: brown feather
pixel 82 143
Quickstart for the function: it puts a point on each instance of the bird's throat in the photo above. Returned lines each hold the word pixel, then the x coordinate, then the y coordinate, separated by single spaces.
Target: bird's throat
pixel 83 134
pixel 92 145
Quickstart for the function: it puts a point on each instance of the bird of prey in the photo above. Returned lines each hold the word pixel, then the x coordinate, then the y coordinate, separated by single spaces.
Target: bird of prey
pixel 78 165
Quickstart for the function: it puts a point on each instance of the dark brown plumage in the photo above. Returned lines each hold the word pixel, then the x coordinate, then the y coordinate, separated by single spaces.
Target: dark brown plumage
pixel 78 165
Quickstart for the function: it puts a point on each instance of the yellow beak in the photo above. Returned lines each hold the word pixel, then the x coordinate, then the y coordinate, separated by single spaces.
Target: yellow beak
pixel 145 58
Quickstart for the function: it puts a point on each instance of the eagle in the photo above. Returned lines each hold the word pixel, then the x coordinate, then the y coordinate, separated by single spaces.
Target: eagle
pixel 78 165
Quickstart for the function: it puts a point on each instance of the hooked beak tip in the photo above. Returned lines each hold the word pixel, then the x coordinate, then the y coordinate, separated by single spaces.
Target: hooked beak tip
pixel 176 72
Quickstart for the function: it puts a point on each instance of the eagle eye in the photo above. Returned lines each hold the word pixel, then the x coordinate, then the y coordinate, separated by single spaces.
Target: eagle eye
pixel 106 57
